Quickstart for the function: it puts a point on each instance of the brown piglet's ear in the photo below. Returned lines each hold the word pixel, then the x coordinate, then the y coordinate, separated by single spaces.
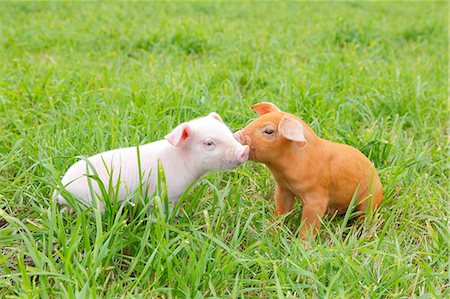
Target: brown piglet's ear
pixel 265 107
pixel 292 129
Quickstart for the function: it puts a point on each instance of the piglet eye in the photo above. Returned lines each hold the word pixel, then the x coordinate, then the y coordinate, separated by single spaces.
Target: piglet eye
pixel 209 144
pixel 269 131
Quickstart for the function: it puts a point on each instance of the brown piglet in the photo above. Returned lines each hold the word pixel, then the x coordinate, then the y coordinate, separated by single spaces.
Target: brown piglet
pixel 324 174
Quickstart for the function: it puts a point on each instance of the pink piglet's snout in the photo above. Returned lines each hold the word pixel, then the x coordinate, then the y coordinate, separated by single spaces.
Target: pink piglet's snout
pixel 242 154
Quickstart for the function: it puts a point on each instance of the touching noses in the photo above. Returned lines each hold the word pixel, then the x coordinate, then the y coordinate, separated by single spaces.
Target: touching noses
pixel 243 151
pixel 238 136
pixel 243 154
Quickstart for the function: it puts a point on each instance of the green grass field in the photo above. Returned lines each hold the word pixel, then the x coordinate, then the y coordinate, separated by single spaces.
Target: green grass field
pixel 78 79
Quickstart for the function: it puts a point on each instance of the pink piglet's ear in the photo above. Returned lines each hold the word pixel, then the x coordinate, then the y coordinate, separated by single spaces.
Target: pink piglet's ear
pixel 216 116
pixel 292 129
pixel 179 135
pixel 265 107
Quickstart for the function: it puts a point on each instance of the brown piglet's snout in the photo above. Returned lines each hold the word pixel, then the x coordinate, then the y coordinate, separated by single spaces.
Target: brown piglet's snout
pixel 325 175
pixel 238 136
pixel 242 138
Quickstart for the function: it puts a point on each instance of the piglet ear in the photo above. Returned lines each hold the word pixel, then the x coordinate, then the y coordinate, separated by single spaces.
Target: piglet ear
pixel 216 116
pixel 179 135
pixel 292 129
pixel 265 107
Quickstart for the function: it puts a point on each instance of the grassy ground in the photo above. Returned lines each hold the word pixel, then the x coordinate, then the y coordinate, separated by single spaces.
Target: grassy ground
pixel 77 79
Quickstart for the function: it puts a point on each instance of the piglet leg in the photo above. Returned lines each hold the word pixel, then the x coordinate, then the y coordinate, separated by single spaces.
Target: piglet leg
pixel 314 209
pixel 284 200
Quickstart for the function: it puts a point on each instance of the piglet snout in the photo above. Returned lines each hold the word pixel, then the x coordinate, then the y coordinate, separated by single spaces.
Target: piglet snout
pixel 238 136
pixel 243 154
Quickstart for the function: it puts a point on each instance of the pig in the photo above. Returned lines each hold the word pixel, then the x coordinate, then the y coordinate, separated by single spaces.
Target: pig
pixel 191 150
pixel 325 175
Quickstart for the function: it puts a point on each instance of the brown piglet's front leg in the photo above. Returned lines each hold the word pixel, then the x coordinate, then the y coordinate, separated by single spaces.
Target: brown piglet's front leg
pixel 284 200
pixel 314 208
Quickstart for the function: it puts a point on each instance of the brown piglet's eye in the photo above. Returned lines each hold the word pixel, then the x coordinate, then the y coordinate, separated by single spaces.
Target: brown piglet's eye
pixel 268 131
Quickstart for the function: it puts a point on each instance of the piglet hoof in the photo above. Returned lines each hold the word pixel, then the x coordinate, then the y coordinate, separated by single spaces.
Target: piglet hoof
pixel 275 226
pixel 67 210
pixel 305 244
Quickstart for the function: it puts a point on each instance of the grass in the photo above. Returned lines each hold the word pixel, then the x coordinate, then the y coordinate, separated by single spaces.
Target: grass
pixel 80 78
